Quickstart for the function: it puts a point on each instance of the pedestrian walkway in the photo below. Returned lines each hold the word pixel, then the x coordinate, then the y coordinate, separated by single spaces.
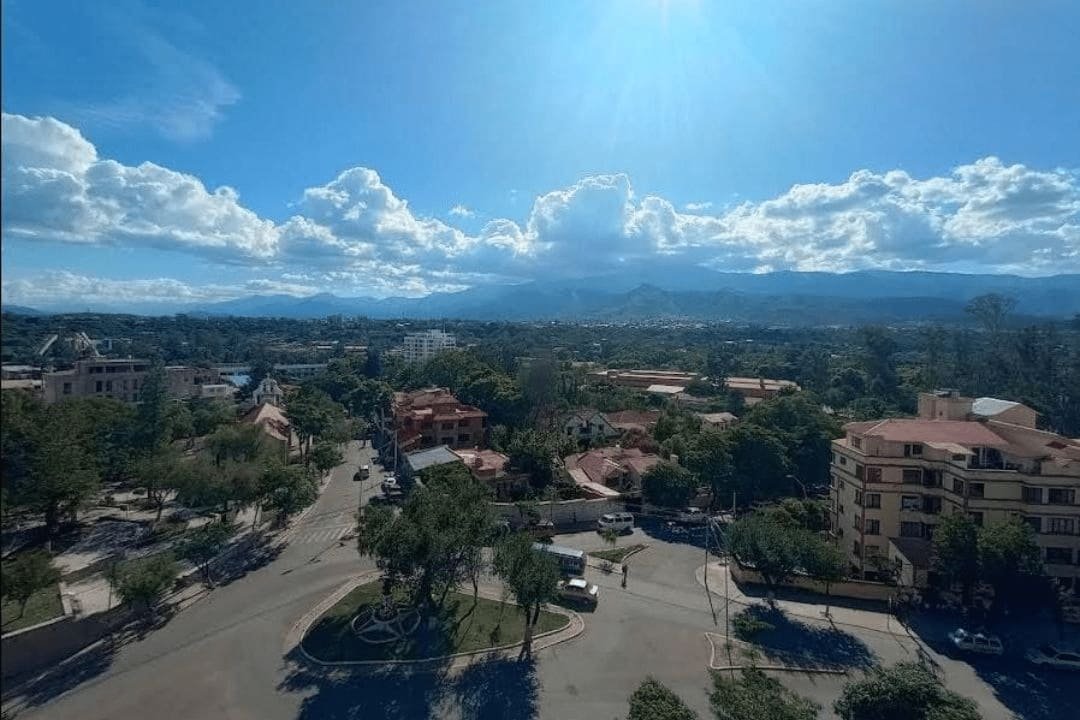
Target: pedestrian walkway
pixel 322 534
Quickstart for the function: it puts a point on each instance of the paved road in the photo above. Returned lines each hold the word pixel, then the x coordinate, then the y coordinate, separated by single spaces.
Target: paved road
pixel 223 656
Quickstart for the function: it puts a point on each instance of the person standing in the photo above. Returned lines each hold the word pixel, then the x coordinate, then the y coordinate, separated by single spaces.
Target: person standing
pixel 625 573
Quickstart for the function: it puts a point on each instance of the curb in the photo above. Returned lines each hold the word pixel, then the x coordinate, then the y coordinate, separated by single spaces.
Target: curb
pixel 295 636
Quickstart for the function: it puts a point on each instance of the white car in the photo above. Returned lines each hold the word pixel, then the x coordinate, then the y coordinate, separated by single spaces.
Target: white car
pixel 580 591
pixel 691 516
pixel 1054 657
pixel 976 642
pixel 389 484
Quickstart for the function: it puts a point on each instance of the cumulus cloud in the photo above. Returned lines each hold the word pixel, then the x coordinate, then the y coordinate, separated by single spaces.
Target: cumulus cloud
pixel 697 206
pixel 355 235
pixel 461 211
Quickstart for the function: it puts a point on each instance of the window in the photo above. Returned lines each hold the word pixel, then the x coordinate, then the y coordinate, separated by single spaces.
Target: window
pixel 67 389
pixel 858 497
pixel 910 529
pixel 96 370
pixel 873 500
pixel 448 426
pixel 913 450
pixel 931 504
pixel 860 471
pixel 958 486
pixel 873 474
pixel 1061 496
pixel 843 460
pixel 1033 495
pixel 108 386
pixel 912 475
pixel 873 527
pixel 97 386
pixel 858 523
pixel 976 517
pixel 1061 526
pixel 1059 555
pixel 910 502
pixel 975 490
pixel 841 510
pixel 856 442
pixel 1034 522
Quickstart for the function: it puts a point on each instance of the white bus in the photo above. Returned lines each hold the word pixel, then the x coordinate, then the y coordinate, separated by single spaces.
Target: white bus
pixel 571 561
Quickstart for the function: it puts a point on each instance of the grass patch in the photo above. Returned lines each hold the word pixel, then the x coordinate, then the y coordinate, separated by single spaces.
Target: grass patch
pixel 460 627
pixel 43 605
pixel 617 554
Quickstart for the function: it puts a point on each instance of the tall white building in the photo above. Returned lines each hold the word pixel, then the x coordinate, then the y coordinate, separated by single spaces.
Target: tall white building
pixel 420 346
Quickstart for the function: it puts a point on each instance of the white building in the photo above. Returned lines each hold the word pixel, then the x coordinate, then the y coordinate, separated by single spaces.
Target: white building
pixel 268 392
pixel 420 346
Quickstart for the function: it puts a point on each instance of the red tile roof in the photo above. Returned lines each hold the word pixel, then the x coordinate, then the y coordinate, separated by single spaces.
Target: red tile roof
pixel 961 432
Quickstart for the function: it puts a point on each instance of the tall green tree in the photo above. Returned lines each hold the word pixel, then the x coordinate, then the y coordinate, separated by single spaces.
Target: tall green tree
pixel 906 691
pixel 204 544
pixel 27 573
pixel 956 552
pixel 324 457
pixel 824 562
pixel 653 700
pixel 144 582
pixel 285 490
pixel 153 410
pixel 669 485
pixel 531 577
pixel 771 547
pixel 753 695
pixel 1009 559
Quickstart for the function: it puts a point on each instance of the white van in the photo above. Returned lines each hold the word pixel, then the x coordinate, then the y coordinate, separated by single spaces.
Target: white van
pixel 622 522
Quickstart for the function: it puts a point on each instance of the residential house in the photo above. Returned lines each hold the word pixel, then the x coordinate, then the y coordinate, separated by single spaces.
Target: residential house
pixel 588 427
pixel 895 478
pixel 717 421
pixel 431 417
pixel 610 471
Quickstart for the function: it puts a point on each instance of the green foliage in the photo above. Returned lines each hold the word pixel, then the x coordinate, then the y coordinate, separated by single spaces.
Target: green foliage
pixel 152 427
pixel 906 691
pixel 207 415
pixel 204 544
pixel 810 514
pixel 759 464
pixel 25 574
pixel 956 551
pixel 530 576
pixel 534 452
pixel 756 696
pixel 771 547
pixel 669 485
pixel 286 490
pixel 325 457
pixel 313 414
pixel 145 581
pixel 747 625
pixel 1008 558
pixel 805 430
pixel 655 701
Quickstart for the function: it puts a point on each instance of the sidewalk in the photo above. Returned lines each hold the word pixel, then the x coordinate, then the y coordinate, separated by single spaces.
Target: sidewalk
pixel 851 617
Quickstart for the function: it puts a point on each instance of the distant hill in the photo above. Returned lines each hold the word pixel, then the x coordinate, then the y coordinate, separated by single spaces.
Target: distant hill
pixel 21 310
pixel 664 292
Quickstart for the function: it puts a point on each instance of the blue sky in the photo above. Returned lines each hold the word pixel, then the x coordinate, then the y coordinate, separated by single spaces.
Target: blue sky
pixel 570 136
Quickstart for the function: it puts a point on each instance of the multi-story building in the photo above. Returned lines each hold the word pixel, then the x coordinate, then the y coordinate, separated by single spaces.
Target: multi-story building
pixel 644 379
pixel 754 390
pixel 427 418
pixel 122 379
pixel 420 346
pixel 895 478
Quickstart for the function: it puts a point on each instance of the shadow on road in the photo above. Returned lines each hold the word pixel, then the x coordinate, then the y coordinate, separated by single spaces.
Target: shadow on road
pixel 252 553
pixel 810 646
pixel 66 676
pixel 672 532
pixel 492 690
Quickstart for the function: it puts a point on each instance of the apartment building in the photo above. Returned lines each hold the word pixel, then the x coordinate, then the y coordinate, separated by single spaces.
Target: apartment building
pixel 893 479
pixel 420 346
pixel 122 379
pixel 427 418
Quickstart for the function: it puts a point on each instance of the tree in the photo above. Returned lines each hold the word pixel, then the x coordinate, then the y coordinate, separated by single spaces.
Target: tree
pixel 533 452
pixel 824 562
pixel 26 573
pixel 668 485
pixel 956 552
pixel 1008 559
pixel 152 429
pixel 286 490
pixel 325 457
pixel 991 311
pixel 759 464
pixel 708 455
pixel 771 547
pixel 181 422
pixel 655 701
pixel 145 581
pixel 373 364
pixel 756 696
pixel 531 577
pixel 63 476
pixel 906 691
pixel 208 415
pixel 878 363
pixel 204 544
pixel 160 472
pixel 806 432
pixel 313 414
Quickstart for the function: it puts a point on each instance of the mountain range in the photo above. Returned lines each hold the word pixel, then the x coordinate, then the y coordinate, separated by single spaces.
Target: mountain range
pixel 694 294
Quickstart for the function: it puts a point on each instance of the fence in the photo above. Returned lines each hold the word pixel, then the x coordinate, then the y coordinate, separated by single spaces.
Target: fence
pixel 564 513
pixel 857 589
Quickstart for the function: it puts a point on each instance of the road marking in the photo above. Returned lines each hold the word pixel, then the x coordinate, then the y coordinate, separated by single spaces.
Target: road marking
pixel 322 534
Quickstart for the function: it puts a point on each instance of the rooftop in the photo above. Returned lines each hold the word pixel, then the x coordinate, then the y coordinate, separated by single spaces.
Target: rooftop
pixel 424 459
pixel 916 430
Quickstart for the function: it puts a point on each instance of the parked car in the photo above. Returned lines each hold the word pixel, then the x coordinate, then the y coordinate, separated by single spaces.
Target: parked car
pixel 1054 657
pixel 542 530
pixel 365 472
pixel 580 591
pixel 390 484
pixel 691 516
pixel 622 522
pixel 389 497
pixel 976 642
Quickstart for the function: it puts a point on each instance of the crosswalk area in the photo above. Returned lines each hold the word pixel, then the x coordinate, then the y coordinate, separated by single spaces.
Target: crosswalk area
pixel 323 534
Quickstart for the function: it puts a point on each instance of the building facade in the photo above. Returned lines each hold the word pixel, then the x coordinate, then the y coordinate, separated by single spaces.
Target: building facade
pixel 896 478
pixel 421 346
pixel 122 380
pixel 428 418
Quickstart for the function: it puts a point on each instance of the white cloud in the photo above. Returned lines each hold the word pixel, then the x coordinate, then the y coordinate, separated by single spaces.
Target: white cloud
pixel 461 211
pixel 697 206
pixel 355 235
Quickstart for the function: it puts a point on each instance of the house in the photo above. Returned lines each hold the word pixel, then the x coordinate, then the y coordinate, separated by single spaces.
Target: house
pixel 629 420
pixel 717 421
pixel 588 427
pixel 492 469
pixel 431 417
pixel 273 422
pixel 896 477
pixel 418 461
pixel 754 390
pixel 610 471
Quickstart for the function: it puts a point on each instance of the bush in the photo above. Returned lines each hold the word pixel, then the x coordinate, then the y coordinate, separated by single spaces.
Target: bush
pixel 145 581
pixel 747 626
pixel 655 701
